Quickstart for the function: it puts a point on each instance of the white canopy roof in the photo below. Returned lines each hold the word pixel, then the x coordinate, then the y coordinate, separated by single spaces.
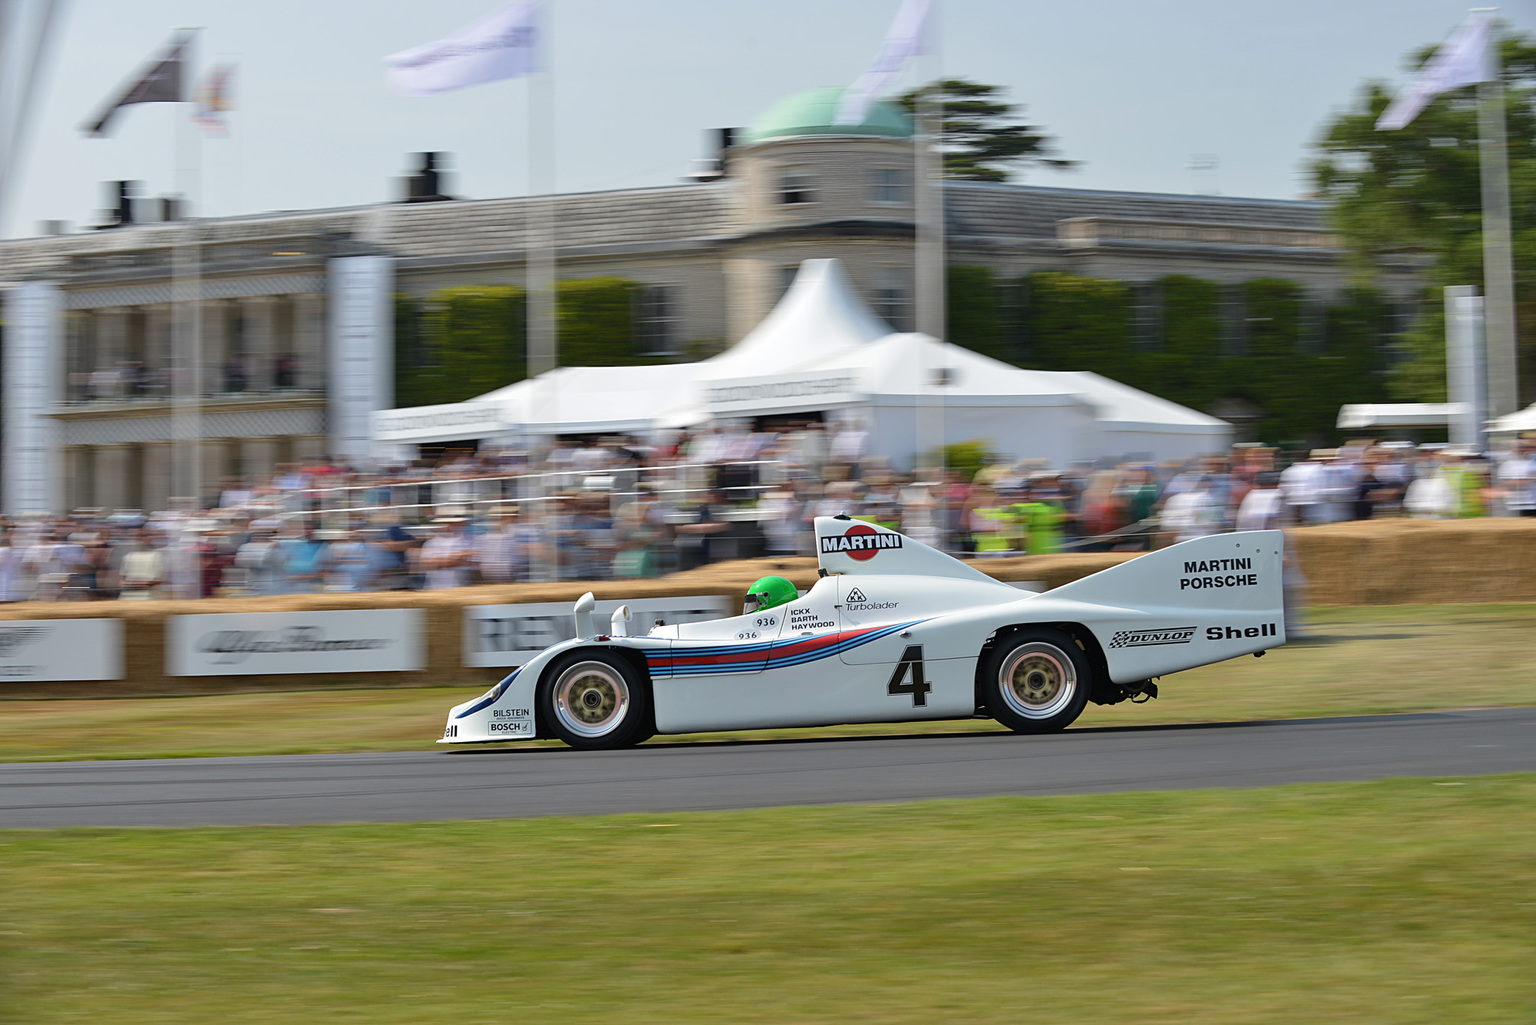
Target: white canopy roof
pixel 1357 416
pixel 821 315
pixel 821 349
pixel 580 400
pixel 1520 420
pixel 1123 408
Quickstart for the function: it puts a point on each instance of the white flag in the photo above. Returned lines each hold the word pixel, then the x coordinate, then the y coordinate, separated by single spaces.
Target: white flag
pixel 504 44
pixel 907 38
pixel 1461 60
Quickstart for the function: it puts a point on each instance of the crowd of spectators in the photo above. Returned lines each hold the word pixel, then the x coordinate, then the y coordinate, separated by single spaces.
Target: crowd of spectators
pixel 620 508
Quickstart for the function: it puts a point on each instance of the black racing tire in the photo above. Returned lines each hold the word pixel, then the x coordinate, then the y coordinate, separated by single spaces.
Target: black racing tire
pixel 1036 681
pixel 595 700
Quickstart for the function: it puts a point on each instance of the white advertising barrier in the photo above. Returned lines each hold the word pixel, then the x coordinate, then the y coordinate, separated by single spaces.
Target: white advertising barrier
pixel 259 643
pixel 48 650
pixel 509 635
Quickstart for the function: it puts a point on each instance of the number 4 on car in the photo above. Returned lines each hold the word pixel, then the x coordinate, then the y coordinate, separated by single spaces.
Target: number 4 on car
pixel 895 631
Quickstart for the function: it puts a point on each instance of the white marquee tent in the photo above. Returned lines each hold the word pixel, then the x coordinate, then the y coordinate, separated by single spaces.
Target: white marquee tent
pixel 821 351
pixel 1518 422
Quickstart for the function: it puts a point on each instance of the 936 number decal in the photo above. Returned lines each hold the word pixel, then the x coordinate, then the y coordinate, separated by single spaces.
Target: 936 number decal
pixel 910 666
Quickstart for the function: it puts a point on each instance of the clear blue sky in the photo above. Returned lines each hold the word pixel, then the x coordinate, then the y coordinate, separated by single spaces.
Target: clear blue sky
pixel 1132 88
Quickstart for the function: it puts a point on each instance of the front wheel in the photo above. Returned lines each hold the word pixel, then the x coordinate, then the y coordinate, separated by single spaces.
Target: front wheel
pixel 593 699
pixel 1036 681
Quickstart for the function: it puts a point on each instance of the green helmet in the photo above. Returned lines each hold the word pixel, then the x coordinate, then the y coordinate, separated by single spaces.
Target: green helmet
pixel 768 593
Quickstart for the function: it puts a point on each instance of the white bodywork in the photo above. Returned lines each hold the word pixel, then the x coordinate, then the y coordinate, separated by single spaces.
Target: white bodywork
pixel 844 651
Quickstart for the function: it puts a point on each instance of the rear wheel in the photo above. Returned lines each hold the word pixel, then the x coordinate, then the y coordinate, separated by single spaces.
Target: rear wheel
pixel 594 699
pixel 1036 681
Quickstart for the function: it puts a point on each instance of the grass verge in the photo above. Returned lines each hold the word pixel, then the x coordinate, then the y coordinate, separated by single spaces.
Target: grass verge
pixel 1403 901
pixel 1358 661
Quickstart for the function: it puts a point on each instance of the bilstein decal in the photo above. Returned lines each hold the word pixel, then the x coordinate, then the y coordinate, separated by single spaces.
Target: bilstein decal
pixel 860 542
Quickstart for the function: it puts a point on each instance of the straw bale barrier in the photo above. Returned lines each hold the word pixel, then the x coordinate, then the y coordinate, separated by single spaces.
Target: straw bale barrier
pixel 1382 562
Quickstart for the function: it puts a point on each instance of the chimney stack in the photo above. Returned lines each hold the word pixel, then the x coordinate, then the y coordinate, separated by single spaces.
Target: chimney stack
pixel 712 169
pixel 425 185
pixel 120 203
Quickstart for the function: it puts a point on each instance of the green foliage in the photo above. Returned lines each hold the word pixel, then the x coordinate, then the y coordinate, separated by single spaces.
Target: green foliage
pixel 974 320
pixel 597 323
pixel 1421 376
pixel 470 340
pixel 1186 368
pixel 966 458
pixel 466 341
pixel 1072 322
pixel 1414 194
pixel 1077 323
pixel 982 141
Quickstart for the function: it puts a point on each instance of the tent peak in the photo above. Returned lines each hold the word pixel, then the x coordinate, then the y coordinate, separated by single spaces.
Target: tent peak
pixel 819 315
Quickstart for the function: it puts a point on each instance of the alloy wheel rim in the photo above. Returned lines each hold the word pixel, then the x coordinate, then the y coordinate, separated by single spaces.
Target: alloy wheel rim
pixel 591 699
pixel 1037 680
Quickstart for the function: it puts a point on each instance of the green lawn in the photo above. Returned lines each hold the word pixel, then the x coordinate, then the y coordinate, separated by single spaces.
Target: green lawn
pixel 1360 661
pixel 1409 901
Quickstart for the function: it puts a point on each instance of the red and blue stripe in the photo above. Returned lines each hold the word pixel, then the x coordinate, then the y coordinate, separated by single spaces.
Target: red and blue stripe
pixel 718 659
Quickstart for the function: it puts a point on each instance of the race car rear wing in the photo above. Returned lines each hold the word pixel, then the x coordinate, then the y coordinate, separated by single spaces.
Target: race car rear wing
pixel 1225 572
pixel 845 545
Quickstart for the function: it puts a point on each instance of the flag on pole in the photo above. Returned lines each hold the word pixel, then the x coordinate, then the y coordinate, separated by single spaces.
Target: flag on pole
pixel 906 38
pixel 160 81
pixel 1461 60
pixel 503 44
pixel 214 95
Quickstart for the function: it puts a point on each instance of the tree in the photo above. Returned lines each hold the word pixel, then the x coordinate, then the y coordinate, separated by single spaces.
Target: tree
pixel 1414 194
pixel 982 140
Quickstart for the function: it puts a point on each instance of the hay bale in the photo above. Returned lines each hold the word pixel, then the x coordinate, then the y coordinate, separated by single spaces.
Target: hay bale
pixel 1373 562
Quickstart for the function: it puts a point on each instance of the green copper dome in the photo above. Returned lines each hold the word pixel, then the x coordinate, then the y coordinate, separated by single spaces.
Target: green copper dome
pixel 813 113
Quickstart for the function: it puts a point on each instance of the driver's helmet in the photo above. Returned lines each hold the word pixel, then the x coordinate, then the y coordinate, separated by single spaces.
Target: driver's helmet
pixel 768 593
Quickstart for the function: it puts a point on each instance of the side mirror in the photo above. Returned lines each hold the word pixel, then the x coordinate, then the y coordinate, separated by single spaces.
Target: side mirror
pixel 583 610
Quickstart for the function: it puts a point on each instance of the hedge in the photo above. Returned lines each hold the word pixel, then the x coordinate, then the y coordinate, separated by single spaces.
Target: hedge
pixel 465 341
pixel 1295 366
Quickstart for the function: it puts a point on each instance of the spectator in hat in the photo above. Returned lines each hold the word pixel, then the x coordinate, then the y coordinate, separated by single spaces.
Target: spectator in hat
pixel 1517 479
pixel 448 557
pixel 262 559
pixel 502 552
pixel 1263 507
pixel 143 569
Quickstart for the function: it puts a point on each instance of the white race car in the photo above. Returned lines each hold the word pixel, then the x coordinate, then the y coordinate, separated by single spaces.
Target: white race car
pixel 895 630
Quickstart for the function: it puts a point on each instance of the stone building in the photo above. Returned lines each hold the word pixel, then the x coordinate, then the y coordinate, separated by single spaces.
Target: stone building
pixel 296 312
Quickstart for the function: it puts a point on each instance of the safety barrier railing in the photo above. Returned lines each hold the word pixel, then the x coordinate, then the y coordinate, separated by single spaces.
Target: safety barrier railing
pixel 340 504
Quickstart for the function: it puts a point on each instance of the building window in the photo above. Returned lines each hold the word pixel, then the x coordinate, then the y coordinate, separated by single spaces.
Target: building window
pixel 1147 314
pixel 795 188
pixel 656 320
pixel 892 301
pixel 787 278
pixel 1314 327
pixel 1234 320
pixel 888 185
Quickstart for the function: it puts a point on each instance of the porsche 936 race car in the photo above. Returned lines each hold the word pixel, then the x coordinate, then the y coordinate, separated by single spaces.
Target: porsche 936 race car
pixel 895 630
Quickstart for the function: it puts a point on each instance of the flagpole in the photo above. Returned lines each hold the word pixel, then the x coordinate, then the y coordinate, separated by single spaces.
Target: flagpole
pixel 187 327
pixel 17 111
pixel 543 341
pixel 1498 263
pixel 928 197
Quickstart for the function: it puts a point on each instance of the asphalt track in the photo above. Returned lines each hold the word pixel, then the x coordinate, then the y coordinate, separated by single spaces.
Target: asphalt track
pixel 512 782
